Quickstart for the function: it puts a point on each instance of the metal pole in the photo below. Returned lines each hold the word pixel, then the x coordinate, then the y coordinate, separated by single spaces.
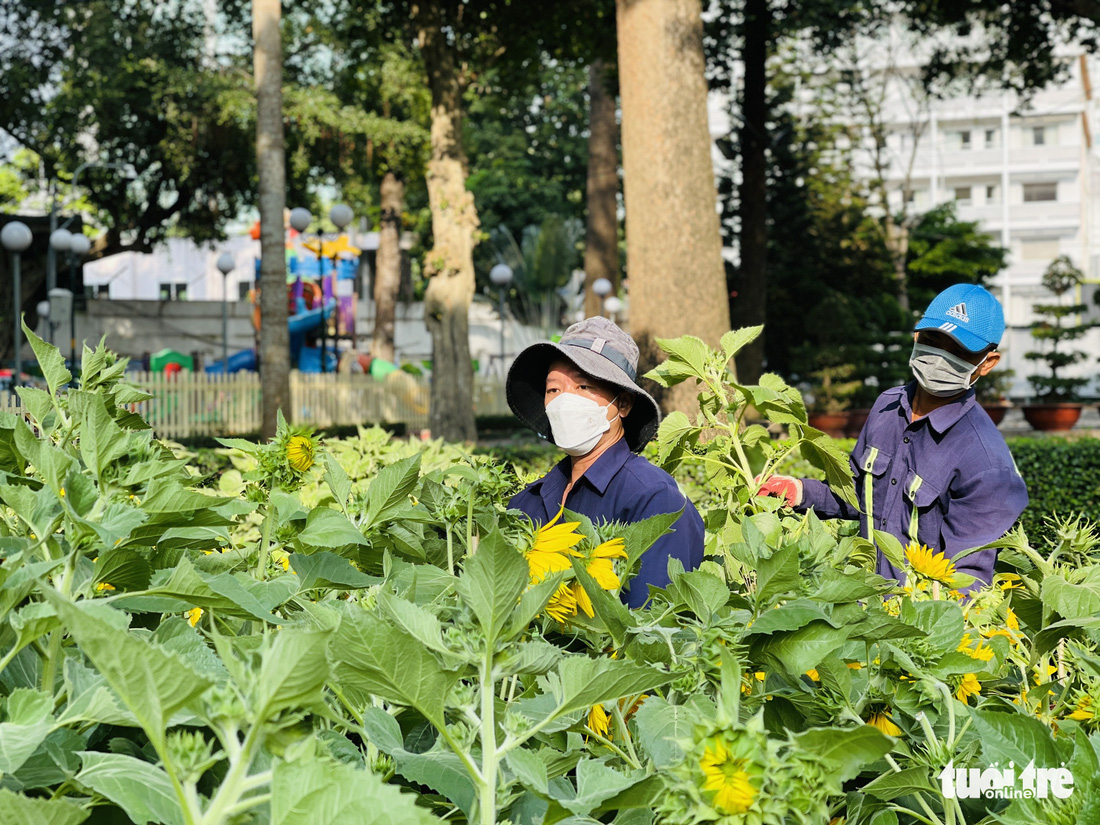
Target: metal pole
pixel 500 292
pixel 17 282
pixel 225 325
pixel 72 313
pixel 324 301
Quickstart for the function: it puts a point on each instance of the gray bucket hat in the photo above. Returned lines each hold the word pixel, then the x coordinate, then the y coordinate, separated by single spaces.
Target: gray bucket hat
pixel 599 349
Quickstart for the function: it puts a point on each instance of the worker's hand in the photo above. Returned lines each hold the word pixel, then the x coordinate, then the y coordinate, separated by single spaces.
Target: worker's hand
pixel 783 487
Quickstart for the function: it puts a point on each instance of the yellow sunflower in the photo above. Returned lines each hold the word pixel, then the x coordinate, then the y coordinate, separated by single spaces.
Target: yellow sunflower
pixel 599 721
pixel 562 604
pixel 934 566
pixel 727 778
pixel 552 548
pixel 969 686
pixel 884 722
pixel 602 569
pixel 193 615
pixel 299 453
pixel 1085 712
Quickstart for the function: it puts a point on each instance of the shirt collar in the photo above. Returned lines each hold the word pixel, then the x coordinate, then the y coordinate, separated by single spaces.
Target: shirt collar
pixel 599 475
pixel 942 418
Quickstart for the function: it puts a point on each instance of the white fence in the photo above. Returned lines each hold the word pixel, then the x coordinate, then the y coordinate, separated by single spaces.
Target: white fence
pixel 188 404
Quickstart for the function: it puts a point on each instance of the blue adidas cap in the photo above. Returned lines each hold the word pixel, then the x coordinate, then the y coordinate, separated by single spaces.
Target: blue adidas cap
pixel 969 314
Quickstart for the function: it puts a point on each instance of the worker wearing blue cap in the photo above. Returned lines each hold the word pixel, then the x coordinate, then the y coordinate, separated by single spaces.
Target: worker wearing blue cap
pixel 930 466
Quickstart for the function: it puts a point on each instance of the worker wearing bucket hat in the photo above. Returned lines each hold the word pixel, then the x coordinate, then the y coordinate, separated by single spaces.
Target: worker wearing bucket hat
pixel 581 394
pixel 930 466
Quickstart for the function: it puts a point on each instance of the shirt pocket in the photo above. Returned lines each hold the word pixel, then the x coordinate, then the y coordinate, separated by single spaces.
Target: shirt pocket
pixel 875 461
pixel 922 494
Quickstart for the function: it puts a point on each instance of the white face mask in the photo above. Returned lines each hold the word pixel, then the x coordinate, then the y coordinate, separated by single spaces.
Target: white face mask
pixel 577 422
pixel 939 372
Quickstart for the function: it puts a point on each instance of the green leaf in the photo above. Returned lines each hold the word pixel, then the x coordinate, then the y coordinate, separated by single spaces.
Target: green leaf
pixel 821 451
pixel 415 620
pixel 102 441
pixel 702 591
pixel 796 651
pixel 1014 737
pixel 585 682
pixel 530 769
pixel 441 771
pixel 391 488
pixel 640 535
pixel 327 570
pixel 531 603
pixel 32 621
pixel 1072 601
pixel 908 781
pixel 50 360
pixel 890 547
pixel 941 620
pixel 38 403
pixel 492 583
pixel 789 616
pixel 308 793
pixel 675 434
pixel 293 672
pixel 736 339
pixel 122 568
pixel 383 731
pixel 777 575
pixel 846 750
pixel 661 728
pixel 596 783
pixel 142 790
pixel 151 683
pixel 29 722
pixel 609 609
pixel 841 587
pixel 330 528
pixel 22 810
pixel 370 656
pixel 337 480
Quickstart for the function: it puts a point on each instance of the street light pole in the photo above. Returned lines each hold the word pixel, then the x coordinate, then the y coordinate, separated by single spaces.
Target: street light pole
pixel 225 264
pixel 16 237
pixel 78 248
pixel 340 215
pixel 60 243
pixel 501 275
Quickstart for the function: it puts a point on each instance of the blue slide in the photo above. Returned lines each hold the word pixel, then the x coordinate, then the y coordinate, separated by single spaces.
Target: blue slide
pixel 307 358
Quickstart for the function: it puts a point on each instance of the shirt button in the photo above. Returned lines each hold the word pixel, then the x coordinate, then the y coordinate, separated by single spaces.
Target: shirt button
pixel 906 439
pixel 893 481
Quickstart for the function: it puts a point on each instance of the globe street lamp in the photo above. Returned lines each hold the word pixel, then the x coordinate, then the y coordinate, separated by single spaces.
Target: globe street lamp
pixel 225 264
pixel 16 237
pixel 340 215
pixel 300 219
pixel 611 306
pixel 602 288
pixel 79 246
pixel 61 241
pixel 501 276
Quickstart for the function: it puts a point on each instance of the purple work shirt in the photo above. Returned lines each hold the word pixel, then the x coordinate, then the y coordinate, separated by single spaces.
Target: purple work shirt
pixel 953 464
pixel 622 486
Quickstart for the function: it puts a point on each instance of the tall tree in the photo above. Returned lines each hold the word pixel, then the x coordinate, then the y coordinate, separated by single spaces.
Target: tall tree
pixel 271 163
pixel 674 260
pixel 449 262
pixel 601 239
pixel 387 266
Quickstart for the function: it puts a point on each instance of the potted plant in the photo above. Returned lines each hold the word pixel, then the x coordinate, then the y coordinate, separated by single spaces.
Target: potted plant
pixel 1057 406
pixel 831 395
pixel 992 393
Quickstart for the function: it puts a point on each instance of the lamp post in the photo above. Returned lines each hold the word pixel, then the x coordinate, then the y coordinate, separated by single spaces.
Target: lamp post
pixel 501 276
pixel 79 245
pixel 602 287
pixel 612 305
pixel 300 219
pixel 340 215
pixel 16 237
pixel 60 243
pixel 225 264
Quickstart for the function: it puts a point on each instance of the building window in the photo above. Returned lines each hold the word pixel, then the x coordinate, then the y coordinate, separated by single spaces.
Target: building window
pixel 991 194
pixel 1040 192
pixel 243 288
pixel 173 292
pixel 93 291
pixel 1040 249
pixel 964 140
pixel 990 138
pixel 962 195
pixel 1039 136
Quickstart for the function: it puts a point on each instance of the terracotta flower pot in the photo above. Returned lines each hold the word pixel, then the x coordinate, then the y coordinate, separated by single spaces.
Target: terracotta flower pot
pixel 856 420
pixel 996 411
pixel 1052 417
pixel 829 423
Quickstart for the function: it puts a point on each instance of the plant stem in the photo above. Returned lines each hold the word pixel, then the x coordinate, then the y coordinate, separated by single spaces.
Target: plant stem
pixel 932 818
pixel 265 541
pixel 633 762
pixel 470 524
pixel 490 755
pixel 450 551
pixel 620 723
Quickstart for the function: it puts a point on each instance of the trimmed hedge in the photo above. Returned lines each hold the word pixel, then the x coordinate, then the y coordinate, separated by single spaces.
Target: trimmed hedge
pixel 1063 479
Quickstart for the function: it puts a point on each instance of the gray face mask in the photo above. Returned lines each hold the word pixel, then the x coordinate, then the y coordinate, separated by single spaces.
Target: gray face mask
pixel 940 373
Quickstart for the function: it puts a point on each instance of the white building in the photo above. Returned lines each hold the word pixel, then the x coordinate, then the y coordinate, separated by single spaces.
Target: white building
pixel 1027 171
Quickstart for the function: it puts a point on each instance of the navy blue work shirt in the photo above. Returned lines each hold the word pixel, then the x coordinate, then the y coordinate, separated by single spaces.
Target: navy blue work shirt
pixel 622 486
pixel 953 465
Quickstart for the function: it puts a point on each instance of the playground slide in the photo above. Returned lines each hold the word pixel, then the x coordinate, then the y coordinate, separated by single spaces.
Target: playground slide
pixel 298 325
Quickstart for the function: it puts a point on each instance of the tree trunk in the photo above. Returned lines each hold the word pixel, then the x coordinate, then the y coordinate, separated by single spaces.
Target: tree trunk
pixel 270 161
pixel 601 239
pixel 674 247
pixel 387 275
pixel 450 262
pixel 750 307
pixel 897 242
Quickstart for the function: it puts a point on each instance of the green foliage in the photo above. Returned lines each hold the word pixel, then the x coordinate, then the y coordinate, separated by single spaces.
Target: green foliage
pixel 1063 480
pixel 370 637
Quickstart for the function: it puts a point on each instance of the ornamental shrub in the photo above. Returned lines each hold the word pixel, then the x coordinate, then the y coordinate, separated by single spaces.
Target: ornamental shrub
pixel 1063 479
